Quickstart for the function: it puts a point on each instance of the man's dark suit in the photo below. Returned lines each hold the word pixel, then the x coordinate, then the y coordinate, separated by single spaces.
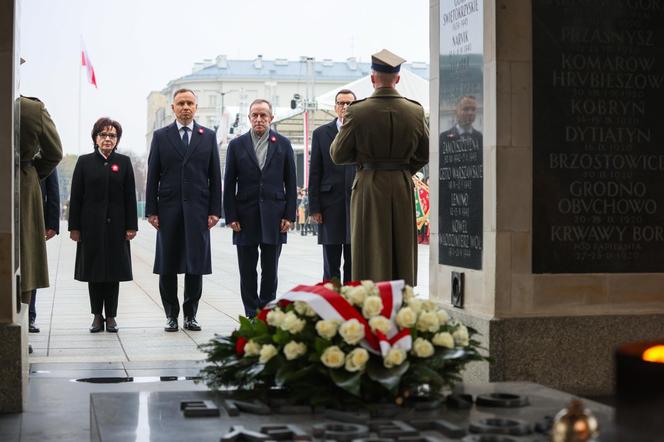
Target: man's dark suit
pixel 259 200
pixel 183 189
pixel 453 135
pixel 329 194
pixel 50 189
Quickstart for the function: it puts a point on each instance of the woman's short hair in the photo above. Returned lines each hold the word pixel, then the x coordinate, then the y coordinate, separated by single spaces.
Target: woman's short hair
pixel 102 124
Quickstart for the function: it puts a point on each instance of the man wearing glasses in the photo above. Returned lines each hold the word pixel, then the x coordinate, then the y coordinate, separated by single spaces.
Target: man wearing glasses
pixel 329 194
pixel 260 196
pixel 183 202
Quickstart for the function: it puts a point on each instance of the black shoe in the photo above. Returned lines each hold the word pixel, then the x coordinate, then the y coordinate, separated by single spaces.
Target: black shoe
pixel 29 348
pixel 32 328
pixel 97 324
pixel 192 324
pixel 171 325
pixel 111 325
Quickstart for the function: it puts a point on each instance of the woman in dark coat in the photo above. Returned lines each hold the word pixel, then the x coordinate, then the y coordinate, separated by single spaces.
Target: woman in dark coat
pixel 102 220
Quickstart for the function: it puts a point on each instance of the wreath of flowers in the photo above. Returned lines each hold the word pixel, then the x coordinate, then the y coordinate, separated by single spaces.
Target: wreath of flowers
pixel 330 344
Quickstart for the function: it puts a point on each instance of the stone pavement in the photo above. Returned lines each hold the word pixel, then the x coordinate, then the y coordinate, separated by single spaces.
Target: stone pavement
pixel 63 310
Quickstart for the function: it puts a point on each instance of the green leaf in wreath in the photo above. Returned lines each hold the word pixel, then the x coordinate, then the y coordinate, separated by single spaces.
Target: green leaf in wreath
pixel 347 380
pixel 387 377
pixel 281 337
pixel 288 373
pixel 425 375
pixel 320 345
pixel 246 328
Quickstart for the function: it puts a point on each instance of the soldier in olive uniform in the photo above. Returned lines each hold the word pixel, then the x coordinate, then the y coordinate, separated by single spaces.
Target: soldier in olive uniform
pixel 387 136
pixel 41 151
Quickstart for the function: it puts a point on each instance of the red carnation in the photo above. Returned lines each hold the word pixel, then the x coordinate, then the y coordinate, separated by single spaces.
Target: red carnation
pixel 200 130
pixel 273 138
pixel 262 315
pixel 115 168
pixel 239 345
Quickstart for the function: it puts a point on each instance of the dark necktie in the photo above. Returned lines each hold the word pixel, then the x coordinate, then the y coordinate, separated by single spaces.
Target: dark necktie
pixel 185 137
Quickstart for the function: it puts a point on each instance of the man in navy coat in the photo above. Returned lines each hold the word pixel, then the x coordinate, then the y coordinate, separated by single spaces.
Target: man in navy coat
pixel 50 189
pixel 329 194
pixel 183 202
pixel 260 194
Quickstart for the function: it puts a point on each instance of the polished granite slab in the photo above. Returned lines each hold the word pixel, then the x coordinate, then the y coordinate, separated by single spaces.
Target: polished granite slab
pixel 157 415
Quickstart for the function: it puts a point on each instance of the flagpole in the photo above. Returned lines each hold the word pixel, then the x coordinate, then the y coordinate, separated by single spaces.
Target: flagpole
pixel 80 66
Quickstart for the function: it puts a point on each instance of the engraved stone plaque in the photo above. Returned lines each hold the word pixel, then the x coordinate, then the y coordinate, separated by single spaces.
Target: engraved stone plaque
pixel 598 137
pixel 461 174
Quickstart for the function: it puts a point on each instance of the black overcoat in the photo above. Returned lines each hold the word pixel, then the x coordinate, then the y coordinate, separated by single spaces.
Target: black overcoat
pixel 183 189
pixel 259 199
pixel 102 206
pixel 330 188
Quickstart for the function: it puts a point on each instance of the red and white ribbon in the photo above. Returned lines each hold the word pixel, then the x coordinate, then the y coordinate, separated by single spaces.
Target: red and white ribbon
pixel 330 305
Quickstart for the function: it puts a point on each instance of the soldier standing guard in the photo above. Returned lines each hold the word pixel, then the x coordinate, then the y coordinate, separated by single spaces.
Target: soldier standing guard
pixel 387 136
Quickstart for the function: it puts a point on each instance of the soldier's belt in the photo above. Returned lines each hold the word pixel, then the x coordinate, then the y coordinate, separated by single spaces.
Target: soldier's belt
pixel 384 165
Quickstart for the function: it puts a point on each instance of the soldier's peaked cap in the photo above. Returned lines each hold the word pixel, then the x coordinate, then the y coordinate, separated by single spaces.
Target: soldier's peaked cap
pixel 386 61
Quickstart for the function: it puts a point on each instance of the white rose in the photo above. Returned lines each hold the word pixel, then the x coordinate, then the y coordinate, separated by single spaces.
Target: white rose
pixel 408 294
pixel 275 317
pixel 429 306
pixel 294 350
pixel 333 357
pixel 292 324
pixel 422 348
pixel 394 357
pixel 357 295
pixel 252 348
pixel 373 305
pixel 352 331
pixel 443 317
pixel 461 336
pixel 443 340
pixel 415 304
pixel 327 328
pixel 357 359
pixel 380 323
pixel 344 290
pixel 406 317
pixel 268 351
pixel 428 321
pixel 304 309
pixel 368 284
pixel 329 286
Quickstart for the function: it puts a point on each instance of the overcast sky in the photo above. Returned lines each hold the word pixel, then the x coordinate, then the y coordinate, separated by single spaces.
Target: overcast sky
pixel 137 46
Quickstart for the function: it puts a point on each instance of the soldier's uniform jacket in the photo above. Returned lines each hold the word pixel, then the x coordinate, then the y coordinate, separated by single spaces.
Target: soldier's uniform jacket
pixel 41 151
pixel 387 136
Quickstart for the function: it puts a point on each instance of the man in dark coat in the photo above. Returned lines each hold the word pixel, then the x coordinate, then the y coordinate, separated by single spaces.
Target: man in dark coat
pixel 329 194
pixel 50 189
pixel 183 202
pixel 387 136
pixel 465 114
pixel 260 194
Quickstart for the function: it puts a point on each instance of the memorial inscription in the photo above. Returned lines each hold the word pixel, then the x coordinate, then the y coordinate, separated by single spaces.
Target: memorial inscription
pixel 598 77
pixel 460 143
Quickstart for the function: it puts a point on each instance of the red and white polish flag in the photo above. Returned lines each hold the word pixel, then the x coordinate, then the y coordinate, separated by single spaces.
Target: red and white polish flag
pixel 87 63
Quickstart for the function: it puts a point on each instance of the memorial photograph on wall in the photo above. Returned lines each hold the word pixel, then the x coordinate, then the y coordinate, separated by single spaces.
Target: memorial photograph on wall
pixel 598 137
pixel 460 208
